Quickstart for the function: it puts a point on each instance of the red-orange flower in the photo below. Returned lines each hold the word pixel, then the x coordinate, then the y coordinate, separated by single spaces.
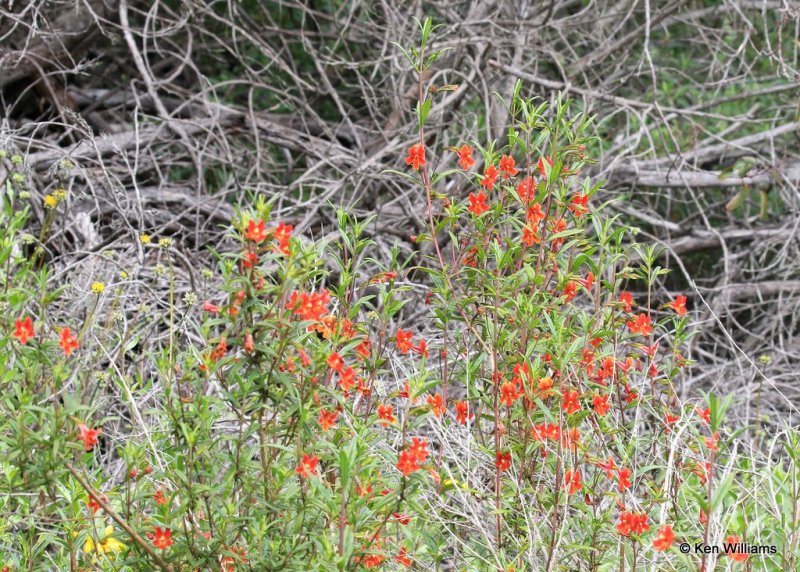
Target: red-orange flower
pixel 600 404
pixel 436 404
pixel 627 299
pixel 402 556
pixel 416 156
pixel 162 538
pixel 526 189
pixel 502 461
pixel 705 414
pixel 465 160
pixel 624 478
pixel 509 393
pixel 307 466
pixel 419 448
pixel 309 306
pixel 282 234
pixel 664 539
pixel 679 305
pixel 572 481
pixel 640 325
pixel 407 462
pixel 23 330
pixel 477 203
pixel 507 166
pixel 489 177
pixel 335 362
pixel 403 341
pixel 385 414
pixel 255 231
pixel 160 498
pixel 732 550
pixel 462 412
pixel 68 342
pixel 578 205
pixel 630 522
pixel 570 401
pixel 608 467
pixel 88 436
pixel 327 419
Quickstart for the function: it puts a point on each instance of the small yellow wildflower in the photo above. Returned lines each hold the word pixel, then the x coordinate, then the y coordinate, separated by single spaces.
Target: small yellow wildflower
pixel 107 545
pixel 144 238
pixel 60 194
pixel 98 287
pixel 123 275
pixel 165 242
pixel 51 201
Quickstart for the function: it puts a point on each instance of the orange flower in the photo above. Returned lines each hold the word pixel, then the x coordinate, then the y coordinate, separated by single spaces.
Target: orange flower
pixel 162 538
pixel 509 393
pixel 578 205
pixel 527 189
pixel 255 231
pixel 570 401
pixel 93 505
pixel 664 539
pixel 627 299
pixel 407 463
pixel 416 156
pixel 530 236
pixel 282 234
pixel 507 166
pixel 23 330
pixel 419 448
pixel 385 414
pixel 640 325
pixel 327 419
pixel 347 378
pixel 534 215
pixel 489 177
pixel 307 466
pixel 600 404
pixel 436 404
pixel 309 306
pixel 570 291
pixel 705 414
pixel 335 362
pixel 402 556
pixel 502 461
pixel 462 412
pixel 572 481
pixel 364 349
pixel 159 497
pixel 465 160
pixel 608 467
pixel 210 308
pixel 403 341
pixel 88 436
pixel 734 551
pixel 477 203
pixel 623 476
pixel 68 343
pixel 679 305
pixel 630 522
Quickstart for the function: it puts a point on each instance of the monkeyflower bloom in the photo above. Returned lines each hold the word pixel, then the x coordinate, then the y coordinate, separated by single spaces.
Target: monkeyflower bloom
pixel 624 478
pixel 256 231
pixel 462 412
pixel 88 436
pixel 578 205
pixel 507 166
pixel 162 538
pixel 465 160
pixel 327 419
pixel 572 481
pixel 385 415
pixel 627 299
pixel 23 330
pixel 403 341
pixel 641 325
pixel 732 551
pixel 600 404
pixel 436 404
pixel 407 462
pixel 307 466
pixel 679 305
pixel 477 203
pixel 68 342
pixel 502 461
pixel 630 522
pixel 664 539
pixel 416 156
pixel 107 545
pixel 526 189
pixel 489 177
pixel 570 401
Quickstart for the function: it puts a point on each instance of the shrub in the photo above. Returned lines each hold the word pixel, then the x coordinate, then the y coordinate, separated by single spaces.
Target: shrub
pixel 528 419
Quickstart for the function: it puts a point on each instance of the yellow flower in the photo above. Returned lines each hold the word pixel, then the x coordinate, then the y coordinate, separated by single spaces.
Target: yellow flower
pixel 60 194
pixel 106 545
pixel 98 287
pixel 123 275
pixel 144 238
pixel 51 201
pixel 165 242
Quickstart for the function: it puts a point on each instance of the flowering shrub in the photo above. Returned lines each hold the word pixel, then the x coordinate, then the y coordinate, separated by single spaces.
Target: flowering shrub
pixel 535 424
